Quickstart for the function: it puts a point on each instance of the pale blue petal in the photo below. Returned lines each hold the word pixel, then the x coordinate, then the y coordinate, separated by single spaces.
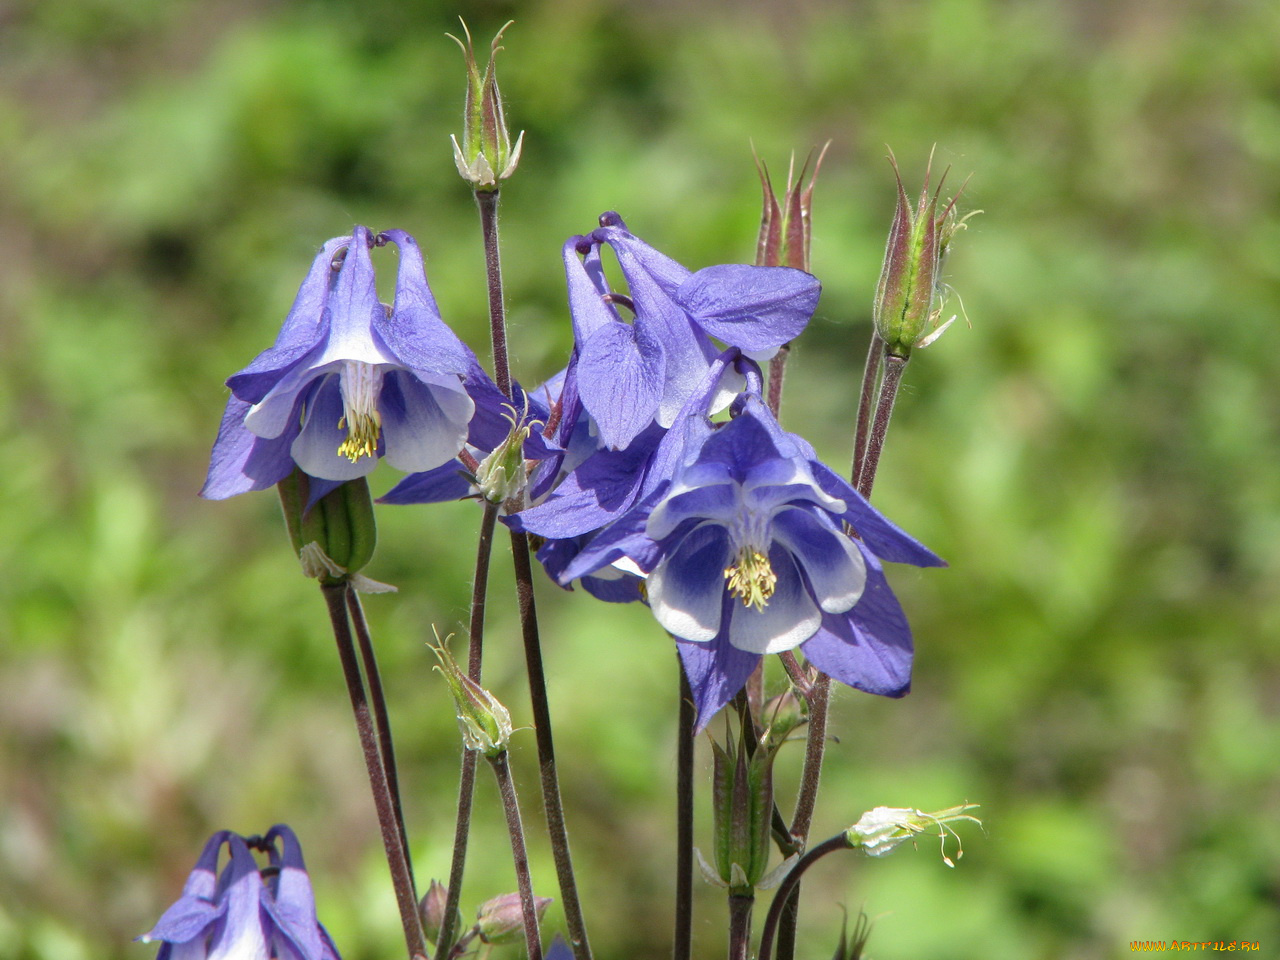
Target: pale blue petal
pixel 831 562
pixel 788 619
pixel 686 587
pixel 272 415
pixel 620 380
pixel 414 333
pixel 354 307
pixel 240 934
pixel 717 502
pixel 423 425
pixel 293 906
pixel 316 448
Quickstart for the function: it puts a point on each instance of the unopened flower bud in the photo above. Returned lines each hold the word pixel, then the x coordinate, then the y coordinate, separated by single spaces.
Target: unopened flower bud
pixel 485 723
pixel 785 226
pixel 742 797
pixel 501 920
pixel 433 906
pixel 486 154
pixel 340 525
pixel 882 829
pixel 853 946
pixel 905 310
pixel 782 714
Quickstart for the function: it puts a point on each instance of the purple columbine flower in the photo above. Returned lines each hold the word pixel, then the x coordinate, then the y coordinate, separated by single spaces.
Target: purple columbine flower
pixel 234 916
pixel 629 375
pixel 348 380
pixel 745 554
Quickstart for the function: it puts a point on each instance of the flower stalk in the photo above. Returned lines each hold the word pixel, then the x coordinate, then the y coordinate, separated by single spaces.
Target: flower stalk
pixel 397 855
pixel 487 204
pixel 467 774
pixel 519 854
pixel 382 721
pixel 683 939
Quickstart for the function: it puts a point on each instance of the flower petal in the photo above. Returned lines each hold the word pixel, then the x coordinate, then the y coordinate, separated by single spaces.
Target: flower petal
pixel 449 481
pixel 625 537
pixel 414 332
pixel 242 461
pixel 716 672
pixel 789 618
pixel 195 910
pixel 601 489
pixel 354 308
pixel 717 502
pixel 587 286
pixel 831 562
pixel 686 588
pixel 316 448
pixel 240 934
pixel 303 330
pixel 651 278
pixel 293 906
pixel 619 373
pixel 423 425
pixel 755 308
pixel 869 647
pixel 887 540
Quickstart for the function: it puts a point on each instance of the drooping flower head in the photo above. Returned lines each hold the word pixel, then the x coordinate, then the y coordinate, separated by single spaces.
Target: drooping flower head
pixel 348 379
pixel 234 915
pixel 631 374
pixel 745 553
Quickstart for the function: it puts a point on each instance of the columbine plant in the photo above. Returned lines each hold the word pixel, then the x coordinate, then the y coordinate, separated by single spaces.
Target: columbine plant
pixel 652 468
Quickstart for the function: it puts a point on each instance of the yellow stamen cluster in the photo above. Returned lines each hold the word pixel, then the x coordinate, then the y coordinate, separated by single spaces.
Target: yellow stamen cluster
pixel 361 383
pixel 751 578
pixel 362 435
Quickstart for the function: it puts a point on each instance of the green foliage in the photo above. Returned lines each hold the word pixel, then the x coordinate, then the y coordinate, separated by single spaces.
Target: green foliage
pixel 1095 456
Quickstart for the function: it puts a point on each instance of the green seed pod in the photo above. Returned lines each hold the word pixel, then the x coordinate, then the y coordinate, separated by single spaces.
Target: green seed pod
pixel 340 524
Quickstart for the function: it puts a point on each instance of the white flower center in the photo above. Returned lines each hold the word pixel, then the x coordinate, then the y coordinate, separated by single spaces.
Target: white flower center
pixel 361 383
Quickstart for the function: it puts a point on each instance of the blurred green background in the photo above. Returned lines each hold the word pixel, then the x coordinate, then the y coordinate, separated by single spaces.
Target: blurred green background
pixel 1097 455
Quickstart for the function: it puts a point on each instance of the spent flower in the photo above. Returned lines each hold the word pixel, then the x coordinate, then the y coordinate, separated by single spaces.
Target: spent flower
pixel 485 155
pixel 905 310
pixel 485 723
pixel 785 226
pixel 880 830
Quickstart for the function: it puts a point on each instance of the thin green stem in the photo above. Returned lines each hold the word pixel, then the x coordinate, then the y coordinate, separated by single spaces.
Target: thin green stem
pixel 869 377
pixel 889 382
pixel 551 801
pixel 684 820
pixel 839 842
pixel 467 775
pixel 385 745
pixel 511 806
pixel 397 857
